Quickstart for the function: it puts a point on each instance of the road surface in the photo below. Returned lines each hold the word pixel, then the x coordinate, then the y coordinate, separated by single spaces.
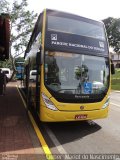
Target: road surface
pixel 92 137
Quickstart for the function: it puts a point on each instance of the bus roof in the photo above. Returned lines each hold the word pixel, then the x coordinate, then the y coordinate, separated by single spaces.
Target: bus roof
pixel 56 13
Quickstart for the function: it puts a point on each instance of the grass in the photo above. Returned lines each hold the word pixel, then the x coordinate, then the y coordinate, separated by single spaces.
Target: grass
pixel 115 80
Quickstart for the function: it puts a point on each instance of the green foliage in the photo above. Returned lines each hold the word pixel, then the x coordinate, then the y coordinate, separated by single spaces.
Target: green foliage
pixel 21 26
pixel 6 64
pixel 113 32
pixel 116 87
pixel 117 74
pixel 4 6
pixel 19 59
pixel 22 22
pixel 115 81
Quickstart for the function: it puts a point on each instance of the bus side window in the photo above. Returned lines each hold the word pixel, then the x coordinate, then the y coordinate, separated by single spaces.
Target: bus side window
pixel 38 63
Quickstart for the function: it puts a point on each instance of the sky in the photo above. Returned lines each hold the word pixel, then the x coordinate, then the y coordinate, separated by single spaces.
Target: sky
pixel 94 9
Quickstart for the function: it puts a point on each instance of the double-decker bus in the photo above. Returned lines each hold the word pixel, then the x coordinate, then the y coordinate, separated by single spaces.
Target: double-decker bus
pixel 71 57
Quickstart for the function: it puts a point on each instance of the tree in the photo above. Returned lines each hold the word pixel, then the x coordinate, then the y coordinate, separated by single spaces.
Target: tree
pixel 19 59
pixel 4 6
pixel 21 22
pixel 113 31
pixel 6 64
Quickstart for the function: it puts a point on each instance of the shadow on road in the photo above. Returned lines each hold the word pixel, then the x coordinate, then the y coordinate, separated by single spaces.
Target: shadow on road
pixel 67 132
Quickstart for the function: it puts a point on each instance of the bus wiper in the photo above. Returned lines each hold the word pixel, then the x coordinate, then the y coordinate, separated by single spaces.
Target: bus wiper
pixel 66 90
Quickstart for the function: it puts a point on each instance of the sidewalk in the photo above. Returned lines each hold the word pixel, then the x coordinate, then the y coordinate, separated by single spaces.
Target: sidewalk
pixel 17 135
pixel 115 91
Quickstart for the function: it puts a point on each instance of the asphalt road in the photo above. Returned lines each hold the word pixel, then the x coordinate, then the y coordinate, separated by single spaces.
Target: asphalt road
pixel 92 137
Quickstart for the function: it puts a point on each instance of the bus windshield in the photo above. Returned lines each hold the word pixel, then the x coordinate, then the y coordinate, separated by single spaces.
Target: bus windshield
pixel 71 73
pixel 72 26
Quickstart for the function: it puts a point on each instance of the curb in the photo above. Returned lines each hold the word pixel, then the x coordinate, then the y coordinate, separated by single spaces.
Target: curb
pixel 115 91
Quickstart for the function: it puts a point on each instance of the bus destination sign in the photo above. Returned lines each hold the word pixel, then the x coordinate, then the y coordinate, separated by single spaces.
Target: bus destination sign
pixel 74 43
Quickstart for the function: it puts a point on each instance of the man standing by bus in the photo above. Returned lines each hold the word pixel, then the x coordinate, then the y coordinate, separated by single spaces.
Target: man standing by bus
pixel 2 82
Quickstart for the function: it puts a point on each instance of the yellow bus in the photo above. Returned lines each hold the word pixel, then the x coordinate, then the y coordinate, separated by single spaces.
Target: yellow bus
pixel 71 58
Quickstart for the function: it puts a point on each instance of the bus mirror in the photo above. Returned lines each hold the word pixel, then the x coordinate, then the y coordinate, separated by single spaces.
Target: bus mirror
pixel 112 68
pixel 38 58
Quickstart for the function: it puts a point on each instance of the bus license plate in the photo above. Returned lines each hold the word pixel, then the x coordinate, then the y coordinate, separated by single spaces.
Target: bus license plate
pixel 81 116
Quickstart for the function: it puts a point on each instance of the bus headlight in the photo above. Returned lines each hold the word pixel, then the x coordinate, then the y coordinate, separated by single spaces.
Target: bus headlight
pixel 48 102
pixel 106 103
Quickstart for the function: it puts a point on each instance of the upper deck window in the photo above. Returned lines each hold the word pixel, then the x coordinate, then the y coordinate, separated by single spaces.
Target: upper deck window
pixel 77 27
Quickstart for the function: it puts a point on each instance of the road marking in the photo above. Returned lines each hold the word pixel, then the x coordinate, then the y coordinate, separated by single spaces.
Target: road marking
pixel 41 139
pixel 45 147
pixel 115 104
pixel 55 140
pixel 115 107
pixel 21 97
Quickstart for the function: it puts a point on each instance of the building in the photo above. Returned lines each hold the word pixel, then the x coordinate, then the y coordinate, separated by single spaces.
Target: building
pixel 4 36
pixel 116 59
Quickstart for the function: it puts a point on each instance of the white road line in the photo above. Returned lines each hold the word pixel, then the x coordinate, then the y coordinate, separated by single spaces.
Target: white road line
pixel 115 104
pixel 55 141
pixel 115 107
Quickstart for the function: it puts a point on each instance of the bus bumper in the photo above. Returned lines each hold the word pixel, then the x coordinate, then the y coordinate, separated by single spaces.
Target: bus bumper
pixel 48 115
